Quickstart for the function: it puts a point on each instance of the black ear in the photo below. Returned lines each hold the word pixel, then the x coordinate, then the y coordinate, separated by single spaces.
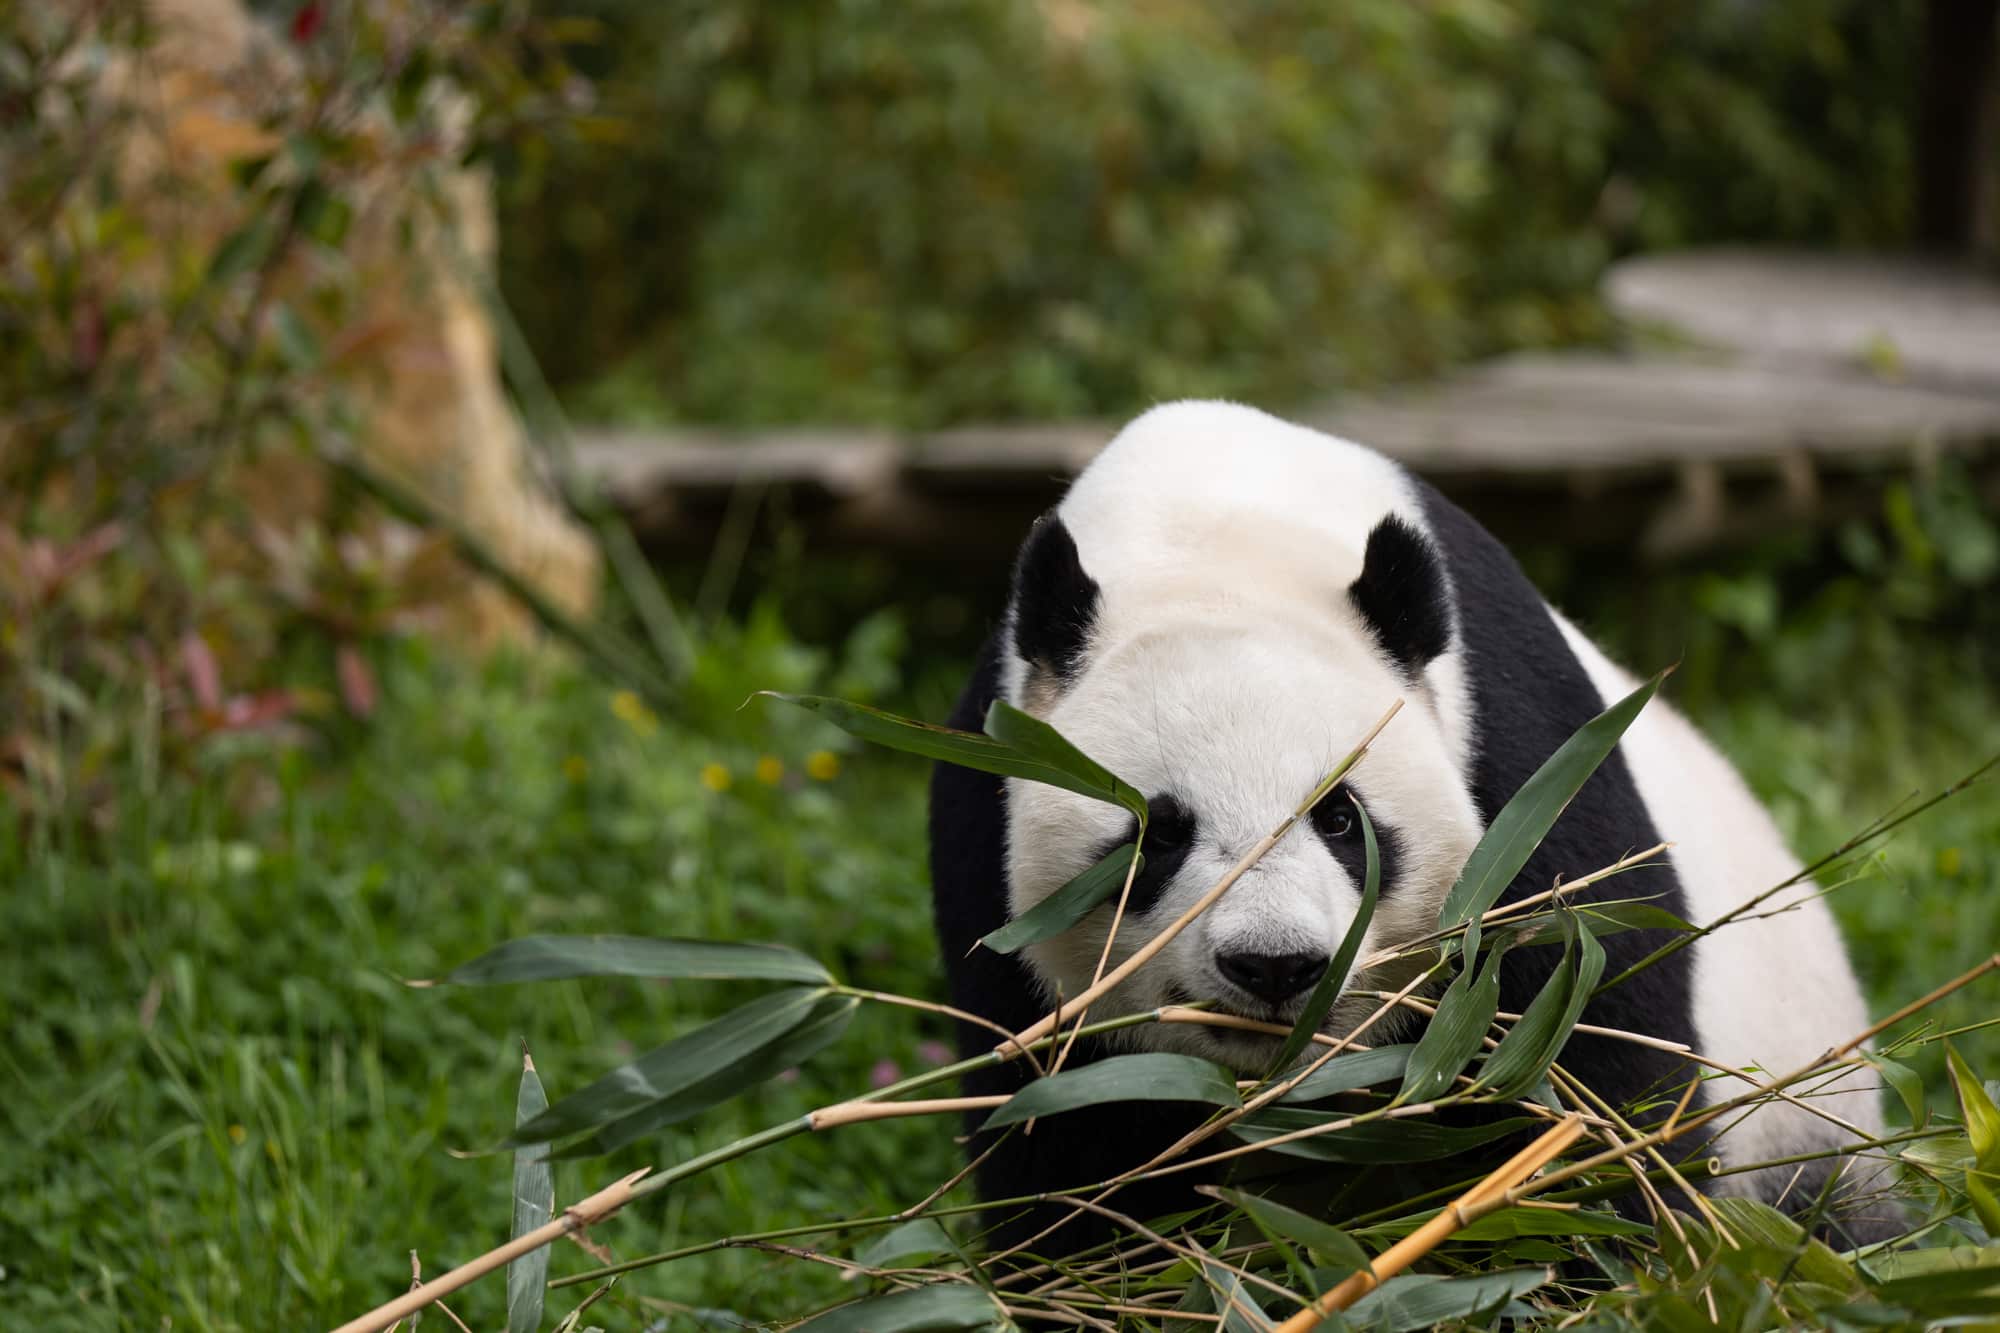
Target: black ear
pixel 1401 594
pixel 1055 602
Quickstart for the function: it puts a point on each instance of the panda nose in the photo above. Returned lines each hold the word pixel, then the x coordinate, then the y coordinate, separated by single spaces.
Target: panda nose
pixel 1272 978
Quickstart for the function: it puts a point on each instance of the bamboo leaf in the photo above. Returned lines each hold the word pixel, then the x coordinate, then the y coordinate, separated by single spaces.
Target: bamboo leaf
pixel 1526 818
pixel 1240 1314
pixel 1454 1031
pixel 1328 988
pixel 1038 740
pixel 1611 918
pixel 1533 1043
pixel 1982 1129
pixel 1154 1076
pixel 1064 766
pixel 1345 1073
pixel 814 1033
pixel 1338 1250
pixel 1371 1141
pixel 666 1070
pixel 918 1239
pixel 534 1204
pixel 1067 905
pixel 1909 1085
pixel 1810 1260
pixel 1421 1300
pixel 558 957
pixel 947 1305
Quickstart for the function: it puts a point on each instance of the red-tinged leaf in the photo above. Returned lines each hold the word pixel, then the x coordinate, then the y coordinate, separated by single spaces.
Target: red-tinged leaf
pixel 307 22
pixel 204 676
pixel 357 681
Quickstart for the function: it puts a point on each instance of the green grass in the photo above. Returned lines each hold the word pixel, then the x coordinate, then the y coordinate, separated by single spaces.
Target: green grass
pixel 225 1112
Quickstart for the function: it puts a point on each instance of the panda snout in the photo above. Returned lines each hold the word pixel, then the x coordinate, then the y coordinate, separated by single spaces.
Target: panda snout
pixel 1272 978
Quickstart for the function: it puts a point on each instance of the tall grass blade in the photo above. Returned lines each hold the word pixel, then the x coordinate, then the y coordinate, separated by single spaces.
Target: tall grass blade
pixel 1155 1076
pixel 1328 990
pixel 1067 905
pixel 534 1204
pixel 666 1070
pixel 559 957
pixel 1526 818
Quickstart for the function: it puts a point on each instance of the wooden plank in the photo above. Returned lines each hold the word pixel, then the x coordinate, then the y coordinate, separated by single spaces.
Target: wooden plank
pixel 639 466
pixel 1930 321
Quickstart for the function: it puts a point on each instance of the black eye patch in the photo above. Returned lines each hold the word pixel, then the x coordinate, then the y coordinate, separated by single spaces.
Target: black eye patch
pixel 1170 834
pixel 1337 823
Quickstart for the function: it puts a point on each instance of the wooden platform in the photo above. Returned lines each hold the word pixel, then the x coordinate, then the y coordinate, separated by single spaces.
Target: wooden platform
pixel 1817 380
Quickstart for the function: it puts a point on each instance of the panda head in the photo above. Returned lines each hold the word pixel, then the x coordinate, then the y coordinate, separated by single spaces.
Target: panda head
pixel 1225 706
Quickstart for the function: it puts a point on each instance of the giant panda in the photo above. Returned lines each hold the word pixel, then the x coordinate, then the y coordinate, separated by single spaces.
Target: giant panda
pixel 1217 610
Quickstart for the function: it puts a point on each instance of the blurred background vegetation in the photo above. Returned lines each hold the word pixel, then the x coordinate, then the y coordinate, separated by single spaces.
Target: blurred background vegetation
pixel 253 776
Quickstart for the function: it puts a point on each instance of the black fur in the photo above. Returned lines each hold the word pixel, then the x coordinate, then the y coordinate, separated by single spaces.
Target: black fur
pixel 968 832
pixel 1401 594
pixel 1351 849
pixel 1529 694
pixel 1055 601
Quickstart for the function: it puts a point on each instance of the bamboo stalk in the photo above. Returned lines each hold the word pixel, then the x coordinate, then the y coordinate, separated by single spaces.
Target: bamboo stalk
pixel 581 1214
pixel 1151 948
pixel 1485 1197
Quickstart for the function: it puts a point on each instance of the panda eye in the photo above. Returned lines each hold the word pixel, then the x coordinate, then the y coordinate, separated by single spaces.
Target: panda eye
pixel 1335 819
pixel 1169 826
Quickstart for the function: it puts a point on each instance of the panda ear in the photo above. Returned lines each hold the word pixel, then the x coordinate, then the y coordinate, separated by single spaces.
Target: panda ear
pixel 1055 601
pixel 1401 594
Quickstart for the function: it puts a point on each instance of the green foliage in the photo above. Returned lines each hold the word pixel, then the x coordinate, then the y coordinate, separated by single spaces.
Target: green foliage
pixel 877 211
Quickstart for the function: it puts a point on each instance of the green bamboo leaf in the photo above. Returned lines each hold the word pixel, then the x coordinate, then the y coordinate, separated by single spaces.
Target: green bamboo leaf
pixel 1454 1031
pixel 1371 1141
pixel 557 957
pixel 1909 1085
pixel 1067 905
pixel 1611 918
pixel 534 1204
pixel 1422 1300
pixel 1154 1076
pixel 1526 818
pixel 1240 1313
pixel 967 749
pixel 1514 1223
pixel 947 1305
pixel 1357 1069
pixel 1339 1251
pixel 1954 1291
pixel 240 251
pixel 1328 989
pixel 1809 1260
pixel 919 1239
pixel 1038 740
pixel 666 1070
pixel 815 1032
pixel 1982 1129
pixel 1533 1044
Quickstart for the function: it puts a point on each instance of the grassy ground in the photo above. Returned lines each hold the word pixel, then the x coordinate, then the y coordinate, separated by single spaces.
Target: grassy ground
pixel 226 1113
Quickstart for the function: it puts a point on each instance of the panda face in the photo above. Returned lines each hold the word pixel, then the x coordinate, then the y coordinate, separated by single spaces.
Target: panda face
pixel 1226 724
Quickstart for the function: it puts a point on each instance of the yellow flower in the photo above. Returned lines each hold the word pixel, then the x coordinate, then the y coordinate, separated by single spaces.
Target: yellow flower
pixel 630 709
pixel 1950 860
pixel 823 765
pixel 237 1133
pixel 575 767
pixel 770 770
pixel 715 777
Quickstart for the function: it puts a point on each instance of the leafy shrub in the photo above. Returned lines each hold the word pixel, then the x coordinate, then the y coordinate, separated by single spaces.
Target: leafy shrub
pixel 923 213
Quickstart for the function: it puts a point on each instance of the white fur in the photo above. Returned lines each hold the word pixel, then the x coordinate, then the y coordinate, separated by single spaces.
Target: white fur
pixel 1223 541
pixel 1771 992
pixel 1226 664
